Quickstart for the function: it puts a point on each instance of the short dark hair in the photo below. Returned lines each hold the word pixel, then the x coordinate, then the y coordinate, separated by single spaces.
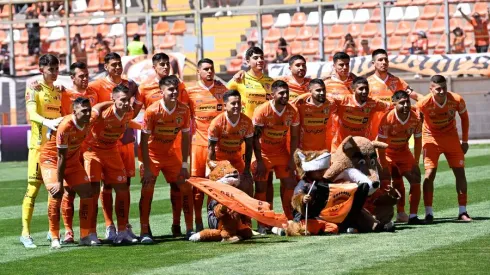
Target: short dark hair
pixel 110 56
pixel 136 37
pixel 48 60
pixel 296 57
pixel 77 65
pixel 316 81
pixel 339 56
pixel 360 80
pixel 159 56
pixel 205 60
pixel 438 79
pixel 230 93
pixel 399 95
pixel 378 51
pixel 121 88
pixel 81 101
pixel 168 80
pixel 253 50
pixel 279 84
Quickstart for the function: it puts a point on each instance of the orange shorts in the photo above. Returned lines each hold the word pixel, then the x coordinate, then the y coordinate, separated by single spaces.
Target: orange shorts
pixel 403 160
pixel 74 173
pixel 199 156
pixel 106 164
pixel 448 145
pixel 170 167
pixel 278 163
pixel 127 155
pixel 235 159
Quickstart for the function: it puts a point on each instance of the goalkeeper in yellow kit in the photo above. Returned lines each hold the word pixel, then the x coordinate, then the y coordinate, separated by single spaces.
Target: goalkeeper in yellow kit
pixel 43 106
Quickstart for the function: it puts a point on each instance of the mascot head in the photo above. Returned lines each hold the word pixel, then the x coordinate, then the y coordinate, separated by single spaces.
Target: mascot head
pixel 311 164
pixel 224 172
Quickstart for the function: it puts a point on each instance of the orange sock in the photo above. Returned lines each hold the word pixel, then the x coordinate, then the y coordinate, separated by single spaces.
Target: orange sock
pixel 188 208
pixel 86 213
pixel 286 203
pixel 176 200
pixel 106 201
pixel 198 202
pixel 414 198
pixel 67 211
pixel 54 205
pixel 95 202
pixel 428 196
pixel 145 207
pixel 122 209
pixel 398 185
pixel 462 199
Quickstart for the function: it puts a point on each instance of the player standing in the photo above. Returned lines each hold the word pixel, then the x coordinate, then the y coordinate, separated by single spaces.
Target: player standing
pixel 163 120
pixel 272 121
pixel 395 129
pixel 440 136
pixel 44 109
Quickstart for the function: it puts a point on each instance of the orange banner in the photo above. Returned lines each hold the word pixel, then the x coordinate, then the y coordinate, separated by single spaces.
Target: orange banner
pixel 340 199
pixel 239 201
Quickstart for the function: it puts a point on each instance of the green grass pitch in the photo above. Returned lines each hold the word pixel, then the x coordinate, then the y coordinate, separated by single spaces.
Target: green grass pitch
pixel 445 247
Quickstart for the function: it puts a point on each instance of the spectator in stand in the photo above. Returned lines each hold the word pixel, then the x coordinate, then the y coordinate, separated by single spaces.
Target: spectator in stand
pixel 78 48
pixel 458 41
pixel 480 28
pixel 365 49
pixel 421 44
pixel 33 36
pixel 136 47
pixel 102 48
pixel 5 60
pixel 283 51
pixel 350 47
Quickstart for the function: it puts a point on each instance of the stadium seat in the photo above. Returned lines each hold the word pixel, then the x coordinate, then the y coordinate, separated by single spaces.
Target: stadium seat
pixel 52 21
pixel 311 48
pixel 438 26
pixel 289 33
pixel 419 2
pixel 313 19
pixel 440 14
pixel 132 29
pixel 254 36
pixel 23 36
pixel 317 33
pixel 110 20
pixel 305 33
pixel 353 6
pixel 234 67
pixel 241 50
pixel 376 16
pixel 467 27
pixel 330 45
pixel 432 41
pixel 179 28
pixel 5 11
pixel 429 12
pixel 442 42
pixel 81 22
pixel 142 30
pixel 44 33
pixel 345 17
pixel 468 41
pixel 169 42
pixel 330 17
pixel 20 49
pixel 390 28
pixel 435 2
pixel 283 20
pixel 94 5
pixel 403 28
pixel 354 30
pixel 411 13
pixel 273 35
pixel 362 16
pixel 376 43
pixel 268 50
pixel 267 21
pixel 100 19
pixel 481 8
pixel 465 7
pixel 78 6
pixel 403 3
pixel 395 43
pixel 299 19
pixel 161 28
pixel 107 6
pixel 119 47
pixel 16 36
pixel 369 30
pixel 296 47
pixel 395 14
pixel 236 62
pixel 116 30
pixel 336 32
pixel 421 25
pixel 92 60
pixel 57 34
pixel 103 29
pixel 369 5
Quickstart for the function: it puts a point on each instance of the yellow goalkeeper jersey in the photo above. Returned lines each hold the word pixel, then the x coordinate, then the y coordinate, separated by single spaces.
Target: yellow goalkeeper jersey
pixel 254 91
pixel 44 103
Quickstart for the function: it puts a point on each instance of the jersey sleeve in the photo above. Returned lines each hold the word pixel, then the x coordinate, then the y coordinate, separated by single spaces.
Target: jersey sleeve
pixel 461 106
pixel 62 136
pixel 134 125
pixel 187 122
pixel 258 117
pixel 232 85
pixel 382 106
pixel 418 129
pixel 31 106
pixel 250 131
pixel 383 128
pixel 147 125
pixel 295 121
pixel 214 130
pixel 66 104
pixel 184 96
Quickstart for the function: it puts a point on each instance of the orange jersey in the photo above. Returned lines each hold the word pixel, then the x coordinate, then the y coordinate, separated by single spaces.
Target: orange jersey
pixel 383 89
pixel 70 95
pixel 481 32
pixel 355 118
pixel 229 136
pixel 68 136
pixel 440 120
pixel 275 126
pixel 313 123
pixel 334 86
pixel 397 132
pixel 205 104
pixel 296 89
pixel 149 92
pixel 103 87
pixel 163 125
pixel 107 128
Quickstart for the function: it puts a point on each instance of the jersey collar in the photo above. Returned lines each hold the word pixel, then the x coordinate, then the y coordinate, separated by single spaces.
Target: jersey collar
pixel 399 120
pixel 292 79
pixel 357 103
pixel 201 84
pixel 382 80
pixel 165 108
pixel 115 113
pixel 229 120
pixel 309 101
pixel 110 80
pixel 275 110
pixel 76 125
pixel 437 103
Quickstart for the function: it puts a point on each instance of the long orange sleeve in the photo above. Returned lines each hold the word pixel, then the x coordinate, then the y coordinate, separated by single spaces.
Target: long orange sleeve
pixel 465 125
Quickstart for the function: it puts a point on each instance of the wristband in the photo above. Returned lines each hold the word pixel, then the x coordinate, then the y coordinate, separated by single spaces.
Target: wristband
pixel 185 165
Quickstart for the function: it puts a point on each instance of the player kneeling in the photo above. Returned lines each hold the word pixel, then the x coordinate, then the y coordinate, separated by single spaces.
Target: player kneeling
pixel 60 164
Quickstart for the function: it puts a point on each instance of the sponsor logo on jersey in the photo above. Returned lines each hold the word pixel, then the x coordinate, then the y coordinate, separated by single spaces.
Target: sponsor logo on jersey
pixel 310 121
pixel 230 142
pixel 276 133
pixel 355 119
pixel 166 131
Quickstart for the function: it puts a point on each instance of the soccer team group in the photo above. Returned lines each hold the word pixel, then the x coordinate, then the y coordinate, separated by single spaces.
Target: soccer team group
pixel 82 138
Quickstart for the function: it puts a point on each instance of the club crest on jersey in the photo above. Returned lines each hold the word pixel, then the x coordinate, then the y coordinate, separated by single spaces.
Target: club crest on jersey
pixel 366 110
pixel 242 132
pixel 288 122
pixel 410 131
pixel 326 110
pixel 179 120
pixel 451 112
